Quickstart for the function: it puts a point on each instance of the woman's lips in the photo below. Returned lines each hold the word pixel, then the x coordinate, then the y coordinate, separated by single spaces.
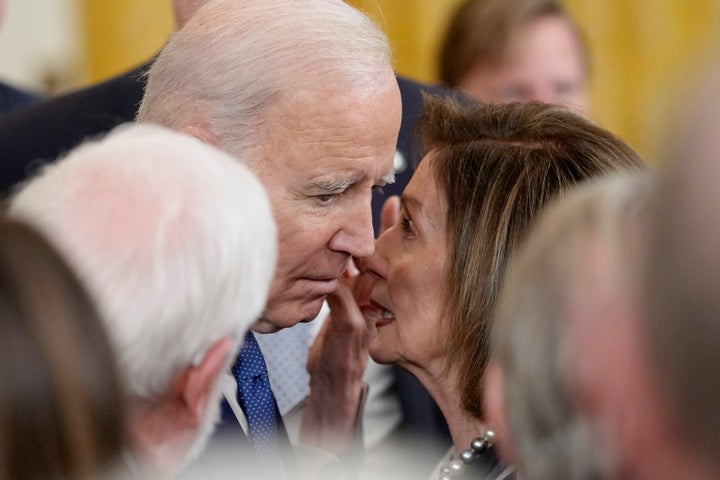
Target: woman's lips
pixel 384 316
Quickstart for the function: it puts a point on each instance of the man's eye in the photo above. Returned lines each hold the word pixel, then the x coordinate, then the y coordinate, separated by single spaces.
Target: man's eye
pixel 326 199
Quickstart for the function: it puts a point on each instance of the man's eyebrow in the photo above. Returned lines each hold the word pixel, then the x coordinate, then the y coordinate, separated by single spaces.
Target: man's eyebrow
pixel 341 184
pixel 388 178
pixel 334 185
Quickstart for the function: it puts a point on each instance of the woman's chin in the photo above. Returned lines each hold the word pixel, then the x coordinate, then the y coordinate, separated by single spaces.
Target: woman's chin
pixel 381 352
pixel 383 359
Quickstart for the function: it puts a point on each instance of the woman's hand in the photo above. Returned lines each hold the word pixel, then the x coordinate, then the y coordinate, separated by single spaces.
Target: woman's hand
pixel 339 356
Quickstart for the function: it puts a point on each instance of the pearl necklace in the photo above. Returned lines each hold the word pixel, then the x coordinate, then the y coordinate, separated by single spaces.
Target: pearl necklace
pixel 455 468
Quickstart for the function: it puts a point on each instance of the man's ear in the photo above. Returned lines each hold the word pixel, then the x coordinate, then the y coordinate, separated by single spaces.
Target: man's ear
pixel 201 133
pixel 198 381
pixel 495 411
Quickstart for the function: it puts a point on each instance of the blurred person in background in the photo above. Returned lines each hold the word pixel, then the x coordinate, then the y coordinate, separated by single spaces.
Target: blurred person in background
pixel 567 380
pixel 176 242
pixel 516 50
pixel 437 271
pixel 62 405
pixel 12 97
pixel 682 298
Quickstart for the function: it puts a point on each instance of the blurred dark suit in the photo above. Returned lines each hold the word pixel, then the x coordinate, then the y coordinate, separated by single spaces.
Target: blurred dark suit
pixel 12 98
pixel 39 133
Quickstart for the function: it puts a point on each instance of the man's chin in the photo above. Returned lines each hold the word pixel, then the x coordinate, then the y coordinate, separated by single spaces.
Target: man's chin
pixel 264 325
pixel 285 316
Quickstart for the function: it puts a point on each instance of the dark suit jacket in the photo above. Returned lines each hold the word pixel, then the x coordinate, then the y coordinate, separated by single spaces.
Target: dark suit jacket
pixel 34 135
pixel 39 133
pixel 12 98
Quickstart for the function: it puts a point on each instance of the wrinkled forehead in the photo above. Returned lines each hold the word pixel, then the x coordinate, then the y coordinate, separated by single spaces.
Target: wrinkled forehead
pixel 312 128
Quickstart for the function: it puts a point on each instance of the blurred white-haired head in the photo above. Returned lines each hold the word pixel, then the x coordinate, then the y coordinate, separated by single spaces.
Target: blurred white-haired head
pixel 177 243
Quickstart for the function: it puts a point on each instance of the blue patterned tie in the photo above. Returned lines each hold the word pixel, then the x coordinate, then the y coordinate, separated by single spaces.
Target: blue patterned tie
pixel 257 401
pixel 286 354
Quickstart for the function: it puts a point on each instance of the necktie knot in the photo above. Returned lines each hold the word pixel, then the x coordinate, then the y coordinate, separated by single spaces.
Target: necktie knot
pixel 250 362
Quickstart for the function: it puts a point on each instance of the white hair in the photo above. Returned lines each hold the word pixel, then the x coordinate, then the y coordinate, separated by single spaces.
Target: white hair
pixel 235 58
pixel 174 238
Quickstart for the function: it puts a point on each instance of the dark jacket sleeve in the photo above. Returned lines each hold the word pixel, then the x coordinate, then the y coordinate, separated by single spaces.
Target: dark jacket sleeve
pixel 34 135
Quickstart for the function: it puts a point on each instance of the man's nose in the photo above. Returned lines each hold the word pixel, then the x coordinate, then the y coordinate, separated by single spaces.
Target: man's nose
pixel 356 236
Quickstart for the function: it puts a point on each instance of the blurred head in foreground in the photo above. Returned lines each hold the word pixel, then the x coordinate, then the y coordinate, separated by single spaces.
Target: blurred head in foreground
pixel 177 243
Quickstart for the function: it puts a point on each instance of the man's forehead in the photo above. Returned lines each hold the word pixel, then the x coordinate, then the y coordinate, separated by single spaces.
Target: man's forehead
pixel 328 135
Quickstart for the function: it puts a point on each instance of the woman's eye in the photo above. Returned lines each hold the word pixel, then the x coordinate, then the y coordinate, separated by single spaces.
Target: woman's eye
pixel 407 226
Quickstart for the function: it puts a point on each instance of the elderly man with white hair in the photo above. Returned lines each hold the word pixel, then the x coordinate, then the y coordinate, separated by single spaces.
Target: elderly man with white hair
pixel 306 94
pixel 177 244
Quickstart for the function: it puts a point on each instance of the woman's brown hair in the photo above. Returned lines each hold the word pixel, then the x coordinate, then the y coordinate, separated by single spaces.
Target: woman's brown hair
pixel 498 165
pixel 61 402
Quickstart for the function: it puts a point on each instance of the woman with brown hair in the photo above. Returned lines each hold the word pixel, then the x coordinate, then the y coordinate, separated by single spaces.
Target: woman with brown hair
pixel 436 272
pixel 61 401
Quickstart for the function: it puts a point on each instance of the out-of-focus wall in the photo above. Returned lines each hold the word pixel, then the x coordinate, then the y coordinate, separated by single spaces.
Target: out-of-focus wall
pixel 41 44
pixel 57 45
pixel 415 28
pixel 643 52
pixel 640 49
pixel 122 34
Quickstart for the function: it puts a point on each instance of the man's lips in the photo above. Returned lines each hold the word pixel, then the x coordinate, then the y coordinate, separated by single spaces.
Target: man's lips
pixel 323 286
